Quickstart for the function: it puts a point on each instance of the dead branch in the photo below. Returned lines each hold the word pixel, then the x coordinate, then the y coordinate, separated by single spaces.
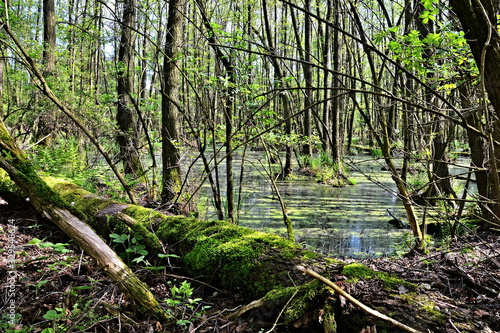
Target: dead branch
pixel 354 301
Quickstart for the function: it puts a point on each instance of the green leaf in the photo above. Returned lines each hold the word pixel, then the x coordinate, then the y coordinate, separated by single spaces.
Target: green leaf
pixel 53 315
pixel 120 239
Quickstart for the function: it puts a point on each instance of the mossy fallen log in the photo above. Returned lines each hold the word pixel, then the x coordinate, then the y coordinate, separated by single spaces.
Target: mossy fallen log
pixel 49 203
pixel 226 255
pixel 258 265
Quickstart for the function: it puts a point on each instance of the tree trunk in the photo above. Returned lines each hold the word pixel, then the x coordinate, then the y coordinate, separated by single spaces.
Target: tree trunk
pixel 307 148
pixel 2 80
pixel 49 36
pixel 478 19
pixel 49 203
pixel 280 84
pixel 228 100
pixel 335 115
pixel 48 119
pixel 171 184
pixel 221 253
pixel 125 118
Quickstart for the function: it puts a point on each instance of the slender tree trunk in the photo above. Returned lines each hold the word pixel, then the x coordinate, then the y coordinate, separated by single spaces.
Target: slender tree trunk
pixel 229 93
pixel 2 80
pixel 278 81
pixel 336 133
pixel 308 78
pixel 172 182
pixel 49 36
pixel 327 84
pixel 384 144
pixel 47 121
pixel 125 117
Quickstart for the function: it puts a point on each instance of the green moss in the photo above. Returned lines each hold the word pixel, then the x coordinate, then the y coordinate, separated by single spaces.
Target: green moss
pixel 310 255
pixel 424 303
pixel 355 272
pixel 230 254
pixel 6 184
pixel 77 196
pixel 301 300
pixel 143 215
pixel 37 187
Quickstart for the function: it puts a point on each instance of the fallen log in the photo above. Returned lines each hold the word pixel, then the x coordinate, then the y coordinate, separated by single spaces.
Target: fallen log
pixel 50 204
pixel 223 254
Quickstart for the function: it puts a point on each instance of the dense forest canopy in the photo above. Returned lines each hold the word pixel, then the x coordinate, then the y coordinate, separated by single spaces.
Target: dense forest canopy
pixel 128 81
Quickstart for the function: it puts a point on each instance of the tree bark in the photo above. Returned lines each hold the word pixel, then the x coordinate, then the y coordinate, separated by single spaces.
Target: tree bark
pixel 172 182
pixel 308 77
pixel 125 118
pixel 479 22
pixel 49 36
pixel 47 120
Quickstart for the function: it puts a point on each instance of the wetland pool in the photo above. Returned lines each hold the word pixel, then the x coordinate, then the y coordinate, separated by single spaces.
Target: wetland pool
pixel 350 221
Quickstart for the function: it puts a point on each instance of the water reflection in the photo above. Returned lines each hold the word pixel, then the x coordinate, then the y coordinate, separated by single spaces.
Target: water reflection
pixel 349 221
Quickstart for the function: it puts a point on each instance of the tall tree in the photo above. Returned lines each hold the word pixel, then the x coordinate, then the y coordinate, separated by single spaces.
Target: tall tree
pixel 335 112
pixel 308 78
pixel 49 36
pixel 279 81
pixel 125 117
pixel 170 101
pixel 479 22
pixel 48 119
pixel 229 80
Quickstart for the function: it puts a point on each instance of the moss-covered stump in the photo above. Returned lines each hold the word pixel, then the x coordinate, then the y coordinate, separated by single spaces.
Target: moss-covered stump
pixel 223 254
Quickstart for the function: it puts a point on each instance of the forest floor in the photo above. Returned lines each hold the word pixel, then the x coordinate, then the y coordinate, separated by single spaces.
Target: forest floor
pixel 67 292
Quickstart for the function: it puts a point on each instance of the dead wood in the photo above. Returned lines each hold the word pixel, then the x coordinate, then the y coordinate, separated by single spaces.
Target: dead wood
pixel 351 299
pixel 48 202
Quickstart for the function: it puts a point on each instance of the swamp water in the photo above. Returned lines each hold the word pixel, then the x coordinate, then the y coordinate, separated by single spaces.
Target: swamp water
pixel 350 221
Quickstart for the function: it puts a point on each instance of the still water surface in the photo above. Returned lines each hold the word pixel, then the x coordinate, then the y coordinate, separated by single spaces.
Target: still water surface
pixel 350 221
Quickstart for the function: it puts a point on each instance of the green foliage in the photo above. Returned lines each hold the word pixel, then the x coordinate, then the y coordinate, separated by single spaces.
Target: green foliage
pixel 376 152
pixel 54 314
pixel 135 252
pixel 325 171
pixel 8 324
pixel 58 247
pixel 64 158
pixel 182 307
pixel 430 12
pixel 417 180
pixel 82 315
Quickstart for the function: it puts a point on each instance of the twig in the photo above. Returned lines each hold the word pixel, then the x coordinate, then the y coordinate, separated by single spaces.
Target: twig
pixel 195 280
pixel 363 307
pixel 453 325
pixel 282 310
